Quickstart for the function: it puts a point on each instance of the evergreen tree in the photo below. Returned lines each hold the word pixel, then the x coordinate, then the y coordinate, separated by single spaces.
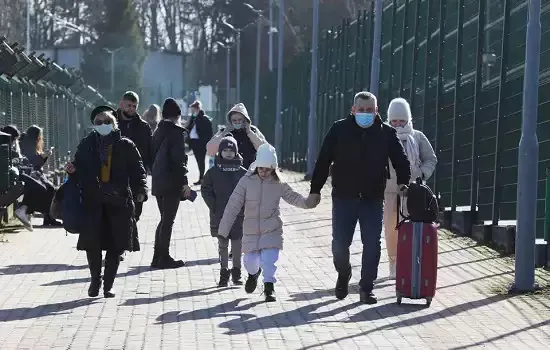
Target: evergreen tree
pixel 117 31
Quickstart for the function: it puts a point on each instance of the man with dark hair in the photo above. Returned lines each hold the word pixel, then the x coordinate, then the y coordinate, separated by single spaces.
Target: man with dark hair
pixel 200 132
pixel 358 148
pixel 136 129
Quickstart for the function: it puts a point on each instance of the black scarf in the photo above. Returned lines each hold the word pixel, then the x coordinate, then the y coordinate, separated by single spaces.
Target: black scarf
pixel 228 164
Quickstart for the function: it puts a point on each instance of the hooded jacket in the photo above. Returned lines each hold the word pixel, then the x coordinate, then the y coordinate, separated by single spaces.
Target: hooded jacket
pixel 169 170
pixel 139 131
pixel 217 186
pixel 248 142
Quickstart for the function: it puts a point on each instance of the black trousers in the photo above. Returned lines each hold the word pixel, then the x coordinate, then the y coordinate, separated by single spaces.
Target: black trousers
pixel 112 262
pixel 199 150
pixel 37 195
pixel 138 210
pixel 168 207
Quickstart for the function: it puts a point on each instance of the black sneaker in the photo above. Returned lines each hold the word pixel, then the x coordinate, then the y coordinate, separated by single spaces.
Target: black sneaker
pixel 367 297
pixel 342 285
pixel 252 282
pixel 269 290
pixel 224 278
pixel 236 276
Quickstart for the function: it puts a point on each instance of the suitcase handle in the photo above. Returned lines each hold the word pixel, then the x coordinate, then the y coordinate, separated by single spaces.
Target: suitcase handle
pixel 400 213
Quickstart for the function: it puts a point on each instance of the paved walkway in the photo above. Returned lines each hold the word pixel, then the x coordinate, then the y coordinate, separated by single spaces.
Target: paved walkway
pixel 44 305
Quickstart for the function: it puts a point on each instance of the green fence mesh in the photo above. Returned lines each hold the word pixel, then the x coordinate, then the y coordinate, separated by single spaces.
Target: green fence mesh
pixel 34 90
pixel 429 56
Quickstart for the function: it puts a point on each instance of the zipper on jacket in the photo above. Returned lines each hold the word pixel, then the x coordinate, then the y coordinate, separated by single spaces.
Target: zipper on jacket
pixel 259 212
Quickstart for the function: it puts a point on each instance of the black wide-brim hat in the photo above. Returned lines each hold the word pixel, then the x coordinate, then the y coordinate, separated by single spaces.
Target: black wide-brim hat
pixel 101 109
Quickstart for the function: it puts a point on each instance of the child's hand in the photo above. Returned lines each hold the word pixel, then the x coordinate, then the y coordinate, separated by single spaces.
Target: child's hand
pixel 313 200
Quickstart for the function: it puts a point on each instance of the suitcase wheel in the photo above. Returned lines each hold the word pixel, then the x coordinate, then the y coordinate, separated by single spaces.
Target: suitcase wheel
pixel 428 301
pixel 399 297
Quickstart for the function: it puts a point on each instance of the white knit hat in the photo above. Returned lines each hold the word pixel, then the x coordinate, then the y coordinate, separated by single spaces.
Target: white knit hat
pixel 266 157
pixel 399 109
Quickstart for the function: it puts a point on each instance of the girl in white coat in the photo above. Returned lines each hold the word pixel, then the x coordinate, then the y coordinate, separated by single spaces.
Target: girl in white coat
pixel 422 159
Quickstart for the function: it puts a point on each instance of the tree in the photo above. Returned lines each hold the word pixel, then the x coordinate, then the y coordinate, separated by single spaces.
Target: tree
pixel 117 29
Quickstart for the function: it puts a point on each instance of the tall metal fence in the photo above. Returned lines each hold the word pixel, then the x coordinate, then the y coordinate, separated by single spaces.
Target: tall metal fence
pixel 460 63
pixel 35 90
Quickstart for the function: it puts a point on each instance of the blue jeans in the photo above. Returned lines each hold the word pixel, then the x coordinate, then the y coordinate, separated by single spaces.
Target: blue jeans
pixel 345 214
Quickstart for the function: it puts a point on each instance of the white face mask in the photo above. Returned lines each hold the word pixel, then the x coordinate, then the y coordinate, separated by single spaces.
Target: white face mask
pixel 104 129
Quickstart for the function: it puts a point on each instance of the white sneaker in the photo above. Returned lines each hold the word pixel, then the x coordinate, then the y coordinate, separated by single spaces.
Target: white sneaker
pixel 21 214
pixel 392 269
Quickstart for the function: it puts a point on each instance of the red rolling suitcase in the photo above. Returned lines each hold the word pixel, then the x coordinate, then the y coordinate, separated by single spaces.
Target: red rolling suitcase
pixel 416 270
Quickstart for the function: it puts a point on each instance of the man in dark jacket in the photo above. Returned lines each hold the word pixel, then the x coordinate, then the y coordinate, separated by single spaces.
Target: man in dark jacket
pixel 132 126
pixel 200 132
pixel 169 180
pixel 358 148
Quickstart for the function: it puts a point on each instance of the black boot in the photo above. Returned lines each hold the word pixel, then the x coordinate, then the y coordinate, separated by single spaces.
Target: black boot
pixel 95 286
pixel 252 282
pixel 167 262
pixel 367 297
pixel 236 276
pixel 342 285
pixel 155 261
pixel 269 290
pixel 49 221
pixel 224 278
pixel 94 263
pixel 112 261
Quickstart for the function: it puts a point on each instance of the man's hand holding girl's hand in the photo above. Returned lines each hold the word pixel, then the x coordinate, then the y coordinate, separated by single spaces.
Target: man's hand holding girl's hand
pixel 313 200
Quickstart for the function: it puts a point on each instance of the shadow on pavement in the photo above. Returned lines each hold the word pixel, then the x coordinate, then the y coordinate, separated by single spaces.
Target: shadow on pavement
pixel 389 310
pixel 202 262
pixel 39 268
pixel 325 293
pixel 230 308
pixel 178 295
pixel 26 313
pixel 132 271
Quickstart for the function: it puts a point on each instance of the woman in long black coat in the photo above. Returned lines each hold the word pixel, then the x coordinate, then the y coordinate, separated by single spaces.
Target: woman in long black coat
pixel 110 173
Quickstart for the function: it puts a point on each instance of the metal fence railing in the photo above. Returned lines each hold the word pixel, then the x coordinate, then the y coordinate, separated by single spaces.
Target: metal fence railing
pixel 35 90
pixel 430 56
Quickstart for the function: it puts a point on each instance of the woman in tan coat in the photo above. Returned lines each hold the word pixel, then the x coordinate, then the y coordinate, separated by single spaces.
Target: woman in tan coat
pixel 260 192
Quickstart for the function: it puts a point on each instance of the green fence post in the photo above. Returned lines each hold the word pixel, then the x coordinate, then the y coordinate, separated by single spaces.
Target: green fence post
pixel 440 90
pixel 404 49
pixel 412 92
pixel 458 83
pixel 392 41
pixel 500 110
pixel 477 97
pixel 547 206
pixel 427 64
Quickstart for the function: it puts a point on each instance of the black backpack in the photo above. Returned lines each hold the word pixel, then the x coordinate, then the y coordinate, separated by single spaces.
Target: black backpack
pixel 421 203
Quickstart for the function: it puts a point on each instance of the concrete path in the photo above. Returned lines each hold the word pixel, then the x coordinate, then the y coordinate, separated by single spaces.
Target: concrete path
pixel 44 303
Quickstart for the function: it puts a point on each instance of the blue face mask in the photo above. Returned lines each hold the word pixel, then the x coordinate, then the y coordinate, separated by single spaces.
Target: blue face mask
pixel 364 120
pixel 237 126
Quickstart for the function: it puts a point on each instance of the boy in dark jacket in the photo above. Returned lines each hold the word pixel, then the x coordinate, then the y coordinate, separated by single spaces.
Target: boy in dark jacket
pixel 218 185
